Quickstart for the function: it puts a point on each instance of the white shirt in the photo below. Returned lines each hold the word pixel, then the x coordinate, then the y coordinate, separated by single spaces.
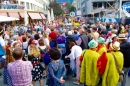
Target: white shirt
pixel 108 40
pixel 24 45
pixel 36 41
pixel 76 52
pixel 2 42
pixel 6 37
pixel 46 41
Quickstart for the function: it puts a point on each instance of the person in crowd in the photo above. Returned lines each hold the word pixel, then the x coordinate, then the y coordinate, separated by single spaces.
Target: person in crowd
pixel 114 38
pixel 52 38
pixel 52 35
pixel 48 31
pixel 83 39
pixel 101 46
pixel 24 44
pixel 107 28
pixel 28 37
pixel 6 37
pixel 56 69
pixel 89 73
pixel 20 36
pixel 21 69
pixel 43 50
pixel 36 38
pixel 34 57
pixel 115 57
pixel 108 39
pixel 69 39
pixel 95 34
pixel 16 45
pixel 33 34
pixel 125 49
pixel 9 58
pixel 76 35
pixel 2 49
pixel 102 61
pixel 75 54
pixel 45 39
pixel 61 43
pixel 40 34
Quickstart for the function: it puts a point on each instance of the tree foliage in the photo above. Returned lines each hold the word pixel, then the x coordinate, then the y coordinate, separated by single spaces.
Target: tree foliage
pixel 56 8
pixel 70 7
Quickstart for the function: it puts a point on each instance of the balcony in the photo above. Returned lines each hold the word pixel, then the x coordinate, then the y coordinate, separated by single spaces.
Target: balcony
pixel 11 7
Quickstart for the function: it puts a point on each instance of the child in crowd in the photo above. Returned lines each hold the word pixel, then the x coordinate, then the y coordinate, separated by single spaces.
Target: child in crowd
pixel 56 69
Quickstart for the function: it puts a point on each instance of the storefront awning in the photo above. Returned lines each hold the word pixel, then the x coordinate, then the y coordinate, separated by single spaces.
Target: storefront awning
pixel 22 14
pixel 43 16
pixel 35 15
pixel 3 14
pixel 14 14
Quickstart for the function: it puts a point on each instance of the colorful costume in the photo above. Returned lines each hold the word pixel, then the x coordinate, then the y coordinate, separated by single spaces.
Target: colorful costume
pixel 89 72
pixel 111 75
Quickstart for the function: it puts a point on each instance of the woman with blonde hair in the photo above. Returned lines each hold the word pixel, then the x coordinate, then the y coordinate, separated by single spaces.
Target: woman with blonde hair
pixel 34 57
pixel 9 58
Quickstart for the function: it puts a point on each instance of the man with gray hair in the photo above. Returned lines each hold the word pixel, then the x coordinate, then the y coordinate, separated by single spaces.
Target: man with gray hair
pixel 83 39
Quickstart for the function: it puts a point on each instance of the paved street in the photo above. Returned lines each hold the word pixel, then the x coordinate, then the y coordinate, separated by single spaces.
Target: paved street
pixel 69 81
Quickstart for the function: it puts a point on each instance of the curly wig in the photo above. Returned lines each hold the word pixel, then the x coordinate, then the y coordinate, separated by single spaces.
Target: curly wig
pixel 9 56
pixel 34 51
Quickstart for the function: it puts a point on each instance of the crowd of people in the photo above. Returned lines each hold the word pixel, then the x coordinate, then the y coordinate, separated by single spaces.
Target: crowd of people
pixel 97 54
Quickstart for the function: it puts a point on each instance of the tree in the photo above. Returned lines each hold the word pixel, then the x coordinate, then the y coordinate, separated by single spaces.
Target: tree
pixel 56 8
pixel 70 7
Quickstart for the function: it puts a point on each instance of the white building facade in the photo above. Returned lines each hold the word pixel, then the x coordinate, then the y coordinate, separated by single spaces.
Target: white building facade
pixel 25 8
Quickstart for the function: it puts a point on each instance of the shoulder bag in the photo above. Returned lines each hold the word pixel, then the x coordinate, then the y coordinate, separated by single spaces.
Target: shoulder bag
pixel 121 73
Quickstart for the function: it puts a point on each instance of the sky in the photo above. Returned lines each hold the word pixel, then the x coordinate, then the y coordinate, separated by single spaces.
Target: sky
pixel 60 1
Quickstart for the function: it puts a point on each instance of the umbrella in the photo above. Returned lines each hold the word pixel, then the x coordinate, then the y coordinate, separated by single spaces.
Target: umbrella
pixel 5 18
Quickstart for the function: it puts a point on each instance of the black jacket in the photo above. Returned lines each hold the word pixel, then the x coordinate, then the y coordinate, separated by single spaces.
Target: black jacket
pixel 125 49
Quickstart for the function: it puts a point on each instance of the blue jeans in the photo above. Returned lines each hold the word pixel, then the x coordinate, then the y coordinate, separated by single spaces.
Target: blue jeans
pixel 126 70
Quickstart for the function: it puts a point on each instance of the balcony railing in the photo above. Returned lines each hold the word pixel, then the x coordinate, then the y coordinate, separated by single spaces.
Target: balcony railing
pixel 11 6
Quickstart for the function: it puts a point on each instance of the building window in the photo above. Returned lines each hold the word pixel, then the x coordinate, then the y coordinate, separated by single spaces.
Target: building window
pixel 21 3
pixel 31 6
pixel 27 5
